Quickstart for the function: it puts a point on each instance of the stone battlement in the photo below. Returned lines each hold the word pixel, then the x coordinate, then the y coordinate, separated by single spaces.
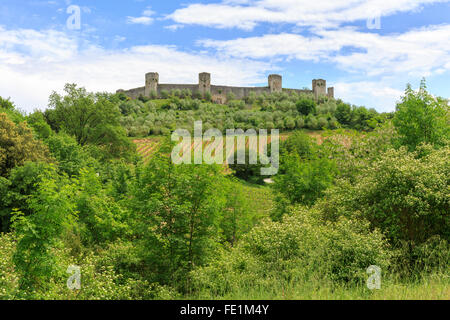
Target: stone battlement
pixel 219 93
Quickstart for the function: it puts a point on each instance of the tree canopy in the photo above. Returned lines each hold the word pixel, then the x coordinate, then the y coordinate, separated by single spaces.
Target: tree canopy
pixel 422 118
pixel 18 145
pixel 90 118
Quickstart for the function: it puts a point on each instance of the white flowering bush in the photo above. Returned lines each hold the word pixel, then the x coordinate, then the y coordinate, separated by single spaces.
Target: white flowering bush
pixel 8 276
pixel 99 280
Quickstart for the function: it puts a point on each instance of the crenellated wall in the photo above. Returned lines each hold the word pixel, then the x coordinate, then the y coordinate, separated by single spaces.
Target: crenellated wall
pixel 220 93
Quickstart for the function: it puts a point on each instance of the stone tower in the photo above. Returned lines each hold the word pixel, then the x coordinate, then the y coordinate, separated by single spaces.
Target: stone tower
pixel 319 87
pixel 331 92
pixel 275 83
pixel 151 83
pixel 204 83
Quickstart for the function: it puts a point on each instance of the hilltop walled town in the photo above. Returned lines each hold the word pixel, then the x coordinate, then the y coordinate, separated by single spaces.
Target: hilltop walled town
pixel 219 93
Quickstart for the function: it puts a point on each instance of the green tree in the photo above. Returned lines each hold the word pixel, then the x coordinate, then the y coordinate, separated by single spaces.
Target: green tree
pixel 19 188
pixel 299 143
pixel 322 122
pixel 422 118
pixel 8 107
pixel 91 119
pixel 18 145
pixel 306 106
pixel 304 181
pixel 290 123
pixel 6 104
pixel 39 233
pixel 300 122
pixel 246 171
pixel 37 121
pixel 235 219
pixel 69 154
pixel 344 113
pixel 177 211
pixel 305 173
pixel 101 219
pixel 312 123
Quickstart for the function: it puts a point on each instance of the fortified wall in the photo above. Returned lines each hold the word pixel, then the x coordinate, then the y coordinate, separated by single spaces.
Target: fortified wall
pixel 219 93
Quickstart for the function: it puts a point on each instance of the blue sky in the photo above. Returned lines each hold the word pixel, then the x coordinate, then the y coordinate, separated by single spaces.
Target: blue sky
pixel 239 41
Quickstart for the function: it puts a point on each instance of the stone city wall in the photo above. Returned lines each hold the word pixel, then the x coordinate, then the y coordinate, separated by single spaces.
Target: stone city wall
pixel 220 93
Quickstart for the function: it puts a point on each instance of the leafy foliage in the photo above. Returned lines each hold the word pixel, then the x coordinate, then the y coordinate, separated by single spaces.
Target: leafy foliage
pixel 18 188
pixel 306 106
pixel 305 181
pixel 54 211
pixel 304 173
pixel 90 118
pixel 404 195
pixel 365 191
pixel 246 170
pixel 178 211
pixel 422 118
pixel 300 248
pixel 37 121
pixel 17 145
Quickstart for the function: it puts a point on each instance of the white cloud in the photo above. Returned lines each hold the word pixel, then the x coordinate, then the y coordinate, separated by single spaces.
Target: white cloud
pixel 371 94
pixel 145 19
pixel 246 14
pixel 34 63
pixel 383 62
pixel 148 12
pixel 140 20
pixel 174 27
pixel 417 53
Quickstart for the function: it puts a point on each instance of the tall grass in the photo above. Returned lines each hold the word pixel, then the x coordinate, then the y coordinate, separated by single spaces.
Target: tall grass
pixel 424 287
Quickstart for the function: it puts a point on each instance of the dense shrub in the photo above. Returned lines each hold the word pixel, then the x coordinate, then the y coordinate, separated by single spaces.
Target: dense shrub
pixel 312 123
pixel 299 249
pixel 20 187
pixel 18 145
pixel 306 106
pixel 100 279
pixel 301 182
pixel 37 121
pixel 246 171
pixel 404 194
pixel 70 156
